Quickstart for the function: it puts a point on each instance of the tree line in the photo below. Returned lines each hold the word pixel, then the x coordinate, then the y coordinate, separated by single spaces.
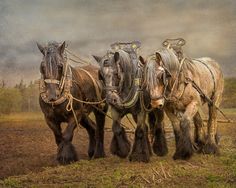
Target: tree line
pixel 24 98
pixel 20 98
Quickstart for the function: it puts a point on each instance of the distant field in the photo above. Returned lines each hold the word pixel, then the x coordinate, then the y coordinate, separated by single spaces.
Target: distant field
pixel 28 147
pixel 229 96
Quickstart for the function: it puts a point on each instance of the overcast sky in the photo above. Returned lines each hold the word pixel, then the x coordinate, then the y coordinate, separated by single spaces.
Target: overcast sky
pixel 89 27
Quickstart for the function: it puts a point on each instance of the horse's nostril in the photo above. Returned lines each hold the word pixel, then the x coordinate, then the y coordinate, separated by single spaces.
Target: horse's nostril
pixel 114 101
pixel 160 105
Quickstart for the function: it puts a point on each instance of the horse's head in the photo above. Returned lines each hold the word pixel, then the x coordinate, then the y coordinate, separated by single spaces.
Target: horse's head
pixel 51 68
pixel 112 75
pixel 156 80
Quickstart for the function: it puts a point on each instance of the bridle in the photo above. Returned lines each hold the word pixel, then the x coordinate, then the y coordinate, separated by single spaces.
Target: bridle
pixel 64 84
pixel 112 88
pixel 133 95
pixel 165 82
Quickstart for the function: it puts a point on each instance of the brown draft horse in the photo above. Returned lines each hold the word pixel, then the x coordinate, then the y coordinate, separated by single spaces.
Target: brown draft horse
pixel 181 88
pixel 59 80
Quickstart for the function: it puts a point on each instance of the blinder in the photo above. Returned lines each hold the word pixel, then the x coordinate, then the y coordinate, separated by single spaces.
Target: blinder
pixel 165 82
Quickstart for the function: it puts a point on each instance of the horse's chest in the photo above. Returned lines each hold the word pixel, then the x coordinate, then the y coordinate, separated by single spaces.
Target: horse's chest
pixel 176 106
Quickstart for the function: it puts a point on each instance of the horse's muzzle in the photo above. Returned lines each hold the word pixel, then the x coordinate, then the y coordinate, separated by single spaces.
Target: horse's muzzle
pixel 112 98
pixel 157 103
pixel 52 92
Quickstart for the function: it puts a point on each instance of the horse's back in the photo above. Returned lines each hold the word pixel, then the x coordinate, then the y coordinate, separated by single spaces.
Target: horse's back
pixel 210 74
pixel 87 78
pixel 210 66
pixel 91 69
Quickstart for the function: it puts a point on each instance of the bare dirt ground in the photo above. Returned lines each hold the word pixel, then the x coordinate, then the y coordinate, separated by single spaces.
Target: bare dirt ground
pixel 27 147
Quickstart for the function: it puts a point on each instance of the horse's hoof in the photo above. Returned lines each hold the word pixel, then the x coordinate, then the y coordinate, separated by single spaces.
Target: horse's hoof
pixel 199 146
pixel 91 153
pixel 99 151
pixel 140 151
pixel 139 157
pixel 66 153
pixel 100 154
pixel 120 145
pixel 210 148
pixel 159 146
pixel 183 154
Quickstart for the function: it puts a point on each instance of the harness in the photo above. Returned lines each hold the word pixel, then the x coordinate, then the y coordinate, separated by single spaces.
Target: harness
pixel 64 87
pixel 133 95
pixel 64 84
pixel 212 75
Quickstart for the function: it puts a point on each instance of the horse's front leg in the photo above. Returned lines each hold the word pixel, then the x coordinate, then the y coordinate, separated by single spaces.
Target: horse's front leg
pixel 159 145
pixel 56 128
pixel 120 144
pixel 100 120
pixel 150 126
pixel 140 151
pixel 66 151
pixel 184 148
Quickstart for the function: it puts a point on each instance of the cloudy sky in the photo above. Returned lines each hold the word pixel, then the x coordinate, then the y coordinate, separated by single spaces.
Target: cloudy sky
pixel 89 27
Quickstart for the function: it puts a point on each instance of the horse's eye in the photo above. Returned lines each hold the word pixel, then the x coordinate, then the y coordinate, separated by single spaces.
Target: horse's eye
pixel 106 63
pixel 42 68
pixel 60 66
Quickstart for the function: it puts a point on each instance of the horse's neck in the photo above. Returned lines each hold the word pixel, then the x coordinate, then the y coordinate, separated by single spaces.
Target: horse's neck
pixel 76 82
pixel 176 77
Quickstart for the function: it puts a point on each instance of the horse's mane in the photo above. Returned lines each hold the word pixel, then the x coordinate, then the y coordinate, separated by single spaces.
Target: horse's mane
pixel 52 58
pixel 127 68
pixel 170 62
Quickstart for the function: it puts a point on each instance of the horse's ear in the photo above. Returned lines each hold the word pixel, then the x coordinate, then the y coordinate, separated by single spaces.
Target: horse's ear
pixel 158 58
pixel 41 48
pixel 98 59
pixel 62 47
pixel 116 56
pixel 141 59
pixel 100 75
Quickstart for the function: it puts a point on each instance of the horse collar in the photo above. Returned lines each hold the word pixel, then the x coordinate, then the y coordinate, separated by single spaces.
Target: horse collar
pixel 131 100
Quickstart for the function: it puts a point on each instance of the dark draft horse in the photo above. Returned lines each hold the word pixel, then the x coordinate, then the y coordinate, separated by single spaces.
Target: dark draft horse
pixel 182 88
pixel 121 73
pixel 59 81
